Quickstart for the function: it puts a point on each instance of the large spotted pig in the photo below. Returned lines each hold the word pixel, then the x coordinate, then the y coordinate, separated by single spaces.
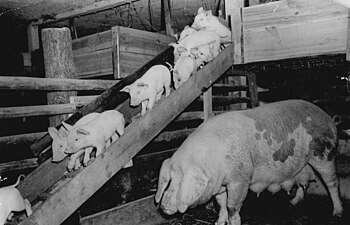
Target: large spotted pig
pixel 261 148
pixel 205 20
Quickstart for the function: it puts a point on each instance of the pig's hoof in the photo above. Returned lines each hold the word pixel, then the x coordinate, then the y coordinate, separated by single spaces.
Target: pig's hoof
pixel 338 213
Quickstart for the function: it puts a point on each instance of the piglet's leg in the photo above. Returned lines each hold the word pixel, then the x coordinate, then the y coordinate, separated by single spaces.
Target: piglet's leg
pixel 87 154
pixel 144 107
pixel 221 199
pixel 159 96
pixel 73 159
pixel 236 193
pixel 28 207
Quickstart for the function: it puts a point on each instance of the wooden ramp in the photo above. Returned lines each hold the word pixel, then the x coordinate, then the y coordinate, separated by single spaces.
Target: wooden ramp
pixel 55 195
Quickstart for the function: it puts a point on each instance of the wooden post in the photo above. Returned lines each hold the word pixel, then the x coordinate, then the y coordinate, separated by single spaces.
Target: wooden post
pixel 73 28
pixel 33 37
pixel 58 61
pixel 116 52
pixel 167 15
pixel 207 104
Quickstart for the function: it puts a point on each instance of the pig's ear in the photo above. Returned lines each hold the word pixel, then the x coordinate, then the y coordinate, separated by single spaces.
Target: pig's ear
pixel 164 179
pixel 82 131
pixel 142 85
pixel 126 89
pixel 193 184
pixel 62 132
pixel 173 44
pixel 67 126
pixel 194 51
pixel 53 132
pixel 200 10
pixel 181 49
pixel 208 13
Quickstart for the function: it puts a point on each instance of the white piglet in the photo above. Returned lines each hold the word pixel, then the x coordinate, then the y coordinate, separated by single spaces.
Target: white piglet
pixel 205 20
pixel 184 68
pixel 206 52
pixel 186 32
pixel 96 133
pixel 148 89
pixel 11 201
pixel 59 137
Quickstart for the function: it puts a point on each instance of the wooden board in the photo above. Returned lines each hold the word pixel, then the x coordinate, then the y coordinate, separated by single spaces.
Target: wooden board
pixel 140 212
pixel 92 43
pixel 279 30
pixel 65 199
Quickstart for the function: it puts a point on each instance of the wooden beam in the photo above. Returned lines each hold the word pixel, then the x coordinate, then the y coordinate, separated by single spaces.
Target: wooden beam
pixel 49 173
pixel 53 84
pixel 18 165
pixel 208 103
pixel 139 212
pixel 36 110
pixel 116 52
pixel 86 10
pixel 20 138
pixel 58 60
pixel 167 16
pixel 234 13
pixel 66 198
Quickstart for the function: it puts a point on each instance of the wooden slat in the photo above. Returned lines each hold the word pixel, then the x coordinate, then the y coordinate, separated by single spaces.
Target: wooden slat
pixel 277 30
pixel 49 173
pixel 129 62
pixel 207 103
pixel 139 212
pixel 86 10
pixel 92 43
pixel 234 12
pixel 348 39
pixel 53 84
pixel 21 138
pixel 171 135
pixel 19 165
pixel 68 197
pixel 116 52
pixel 93 64
pixel 37 110
pixel 194 115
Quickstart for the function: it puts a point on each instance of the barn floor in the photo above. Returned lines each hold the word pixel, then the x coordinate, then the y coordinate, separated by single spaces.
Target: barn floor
pixel 271 210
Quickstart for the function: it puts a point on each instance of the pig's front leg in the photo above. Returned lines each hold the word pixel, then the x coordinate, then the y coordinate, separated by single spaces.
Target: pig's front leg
pixel 152 100
pixel 299 196
pixel 144 107
pixel 236 193
pixel 73 158
pixel 221 199
pixel 87 154
pixel 159 96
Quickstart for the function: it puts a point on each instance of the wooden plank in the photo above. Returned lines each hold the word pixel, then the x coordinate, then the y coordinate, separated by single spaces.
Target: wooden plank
pixel 139 212
pixel 86 10
pixel 348 39
pixel 207 103
pixel 277 30
pixel 19 165
pixel 36 110
pixel 234 13
pixel 92 43
pixel 171 135
pixel 68 197
pixel 95 63
pixel 116 52
pixel 49 173
pixel 167 17
pixel 20 138
pixel 53 84
pixel 129 62
pixel 194 115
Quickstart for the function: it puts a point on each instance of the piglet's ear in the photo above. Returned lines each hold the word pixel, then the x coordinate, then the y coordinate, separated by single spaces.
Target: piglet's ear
pixel 126 89
pixel 200 10
pixel 164 179
pixel 142 85
pixel 173 44
pixel 53 132
pixel 83 131
pixel 194 51
pixel 193 184
pixel 67 126
pixel 208 13
pixel 181 49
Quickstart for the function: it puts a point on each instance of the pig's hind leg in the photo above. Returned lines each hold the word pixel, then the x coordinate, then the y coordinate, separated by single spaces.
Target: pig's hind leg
pixel 326 169
pixel 28 207
pixel 236 193
pixel 221 199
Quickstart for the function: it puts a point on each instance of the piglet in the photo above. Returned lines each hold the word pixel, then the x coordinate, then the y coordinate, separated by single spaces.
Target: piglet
pixel 183 47
pixel 12 200
pixel 148 89
pixel 59 137
pixel 205 20
pixel 184 68
pixel 186 32
pixel 206 52
pixel 96 133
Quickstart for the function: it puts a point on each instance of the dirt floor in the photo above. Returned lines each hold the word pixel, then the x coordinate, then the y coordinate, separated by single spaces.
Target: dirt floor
pixel 270 210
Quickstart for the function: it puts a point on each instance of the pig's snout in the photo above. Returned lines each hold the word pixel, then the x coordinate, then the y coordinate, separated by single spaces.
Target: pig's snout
pixel 177 79
pixel 168 211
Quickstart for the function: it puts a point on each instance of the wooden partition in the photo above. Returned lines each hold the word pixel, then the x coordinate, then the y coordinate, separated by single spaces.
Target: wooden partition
pixel 118 52
pixel 290 29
